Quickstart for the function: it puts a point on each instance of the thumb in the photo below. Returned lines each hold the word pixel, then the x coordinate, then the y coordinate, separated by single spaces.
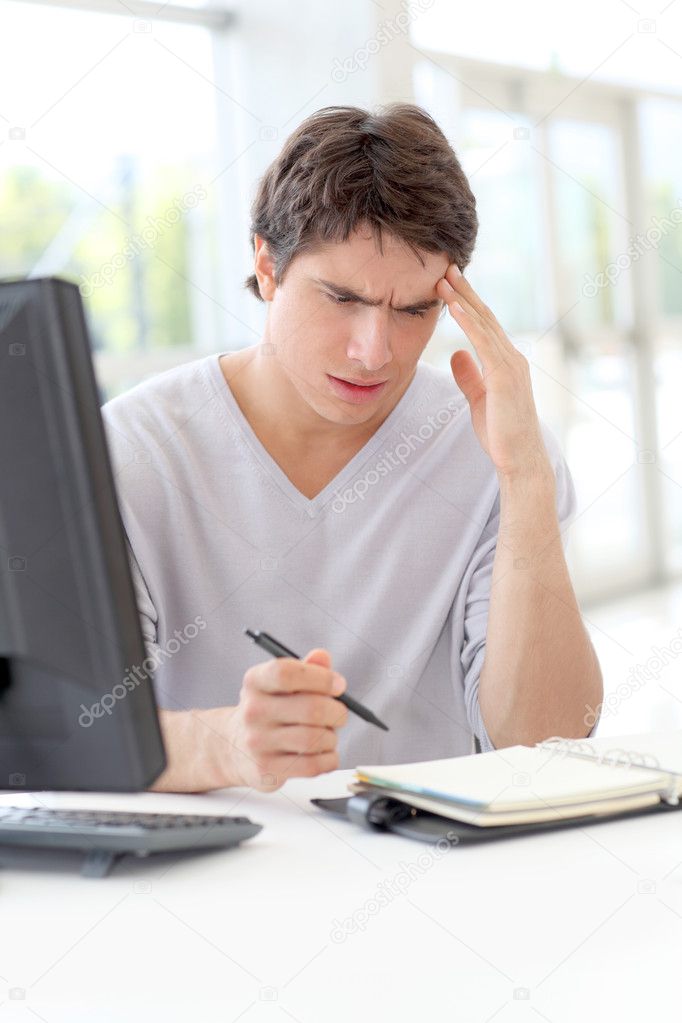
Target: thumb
pixel 324 659
pixel 466 374
pixel 319 656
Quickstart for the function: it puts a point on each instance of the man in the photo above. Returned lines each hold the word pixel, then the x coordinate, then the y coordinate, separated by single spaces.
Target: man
pixel 400 525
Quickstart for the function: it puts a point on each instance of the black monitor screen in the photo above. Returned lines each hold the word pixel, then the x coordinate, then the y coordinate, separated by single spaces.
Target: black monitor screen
pixel 70 634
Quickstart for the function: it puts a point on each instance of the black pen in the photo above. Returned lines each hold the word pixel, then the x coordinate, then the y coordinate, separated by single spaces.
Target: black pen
pixel 277 649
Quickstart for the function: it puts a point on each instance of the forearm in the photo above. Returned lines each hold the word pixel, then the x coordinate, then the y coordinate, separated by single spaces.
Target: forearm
pixel 540 672
pixel 197 750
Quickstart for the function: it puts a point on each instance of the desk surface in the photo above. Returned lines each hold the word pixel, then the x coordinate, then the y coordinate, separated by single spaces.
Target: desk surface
pixel 317 921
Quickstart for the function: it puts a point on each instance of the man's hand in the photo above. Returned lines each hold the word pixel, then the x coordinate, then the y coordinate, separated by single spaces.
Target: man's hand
pixel 503 411
pixel 285 723
pixel 284 726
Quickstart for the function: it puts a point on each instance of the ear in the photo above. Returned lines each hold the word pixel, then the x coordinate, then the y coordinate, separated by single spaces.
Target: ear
pixel 264 269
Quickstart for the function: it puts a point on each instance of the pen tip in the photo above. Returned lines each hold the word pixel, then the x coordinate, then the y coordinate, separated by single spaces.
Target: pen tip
pixel 250 633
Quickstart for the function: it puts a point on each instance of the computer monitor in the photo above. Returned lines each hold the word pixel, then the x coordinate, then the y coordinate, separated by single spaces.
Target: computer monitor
pixel 76 709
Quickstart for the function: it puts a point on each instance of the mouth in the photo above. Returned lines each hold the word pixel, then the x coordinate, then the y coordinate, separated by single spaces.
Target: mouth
pixel 360 383
pixel 356 391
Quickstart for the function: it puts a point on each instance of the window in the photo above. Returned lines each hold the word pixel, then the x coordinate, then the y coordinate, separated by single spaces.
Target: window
pixel 558 173
pixel 105 172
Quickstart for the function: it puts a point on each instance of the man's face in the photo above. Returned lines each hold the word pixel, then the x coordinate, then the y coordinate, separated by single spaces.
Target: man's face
pixel 346 311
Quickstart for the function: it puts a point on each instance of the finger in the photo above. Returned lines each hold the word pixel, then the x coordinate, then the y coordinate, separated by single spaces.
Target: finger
pixel 484 340
pixel 469 299
pixel 467 376
pixel 491 343
pixel 296 765
pixel 289 675
pixel 305 709
pixel 461 286
pixel 301 739
pixel 458 304
pixel 318 656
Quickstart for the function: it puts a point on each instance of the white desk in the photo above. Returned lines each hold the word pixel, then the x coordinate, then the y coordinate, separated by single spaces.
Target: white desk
pixel 584 923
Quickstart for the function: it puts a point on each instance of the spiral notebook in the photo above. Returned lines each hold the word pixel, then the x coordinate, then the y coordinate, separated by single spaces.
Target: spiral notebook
pixel 558 779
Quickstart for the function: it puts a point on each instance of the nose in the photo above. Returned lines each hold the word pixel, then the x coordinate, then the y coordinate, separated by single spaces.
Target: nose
pixel 370 343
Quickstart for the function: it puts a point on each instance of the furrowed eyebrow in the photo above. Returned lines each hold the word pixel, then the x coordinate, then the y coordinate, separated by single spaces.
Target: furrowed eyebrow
pixel 427 303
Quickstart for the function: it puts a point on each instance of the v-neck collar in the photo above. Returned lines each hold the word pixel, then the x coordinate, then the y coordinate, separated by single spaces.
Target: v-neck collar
pixel 309 505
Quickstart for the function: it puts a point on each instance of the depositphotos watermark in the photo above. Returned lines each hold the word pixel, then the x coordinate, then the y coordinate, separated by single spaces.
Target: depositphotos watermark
pixel 135 675
pixel 399 454
pixel 388 30
pixel 650 671
pixel 386 891
pixel 146 239
pixel 638 245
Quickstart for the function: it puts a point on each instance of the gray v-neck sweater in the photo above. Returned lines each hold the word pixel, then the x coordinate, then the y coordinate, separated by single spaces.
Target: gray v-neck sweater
pixel 388 568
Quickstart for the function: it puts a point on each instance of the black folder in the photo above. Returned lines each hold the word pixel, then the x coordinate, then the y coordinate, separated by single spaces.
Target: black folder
pixel 377 812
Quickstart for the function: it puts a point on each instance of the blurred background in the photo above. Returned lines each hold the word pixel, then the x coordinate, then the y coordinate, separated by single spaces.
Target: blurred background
pixel 132 136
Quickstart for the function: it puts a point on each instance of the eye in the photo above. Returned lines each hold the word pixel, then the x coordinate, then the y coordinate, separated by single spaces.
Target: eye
pixel 343 300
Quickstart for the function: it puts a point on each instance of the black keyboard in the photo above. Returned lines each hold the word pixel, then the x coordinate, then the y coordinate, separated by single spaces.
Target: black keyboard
pixel 106 834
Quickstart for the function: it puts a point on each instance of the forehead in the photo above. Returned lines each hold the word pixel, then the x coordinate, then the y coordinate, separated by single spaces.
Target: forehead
pixel 360 257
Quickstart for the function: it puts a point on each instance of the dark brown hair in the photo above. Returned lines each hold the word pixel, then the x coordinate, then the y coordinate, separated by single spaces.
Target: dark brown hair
pixel 394 171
